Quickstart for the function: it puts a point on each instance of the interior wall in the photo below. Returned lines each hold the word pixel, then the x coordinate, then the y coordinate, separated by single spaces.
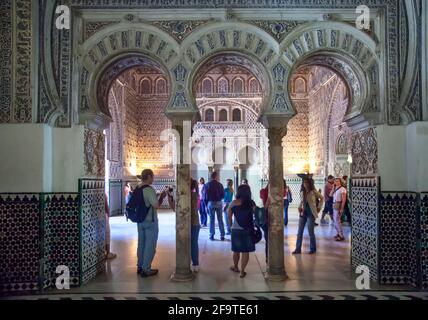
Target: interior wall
pixel 39 158
pixel 144 120
pixel 320 99
pixel 23 165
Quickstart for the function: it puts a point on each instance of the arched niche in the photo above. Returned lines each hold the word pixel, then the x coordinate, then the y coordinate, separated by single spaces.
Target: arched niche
pixel 351 54
pixel 110 52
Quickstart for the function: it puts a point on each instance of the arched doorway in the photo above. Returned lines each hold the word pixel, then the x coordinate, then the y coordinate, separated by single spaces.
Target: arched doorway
pixel 228 91
pixel 137 94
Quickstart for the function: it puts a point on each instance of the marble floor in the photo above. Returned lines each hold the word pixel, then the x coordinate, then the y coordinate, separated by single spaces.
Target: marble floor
pixel 328 270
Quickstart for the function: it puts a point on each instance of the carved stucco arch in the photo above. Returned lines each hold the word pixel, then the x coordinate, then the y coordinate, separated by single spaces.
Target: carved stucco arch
pixel 233 39
pixel 347 51
pixel 114 50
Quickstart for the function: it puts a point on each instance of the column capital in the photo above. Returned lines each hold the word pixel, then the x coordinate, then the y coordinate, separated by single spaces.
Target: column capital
pixel 179 117
pixel 275 121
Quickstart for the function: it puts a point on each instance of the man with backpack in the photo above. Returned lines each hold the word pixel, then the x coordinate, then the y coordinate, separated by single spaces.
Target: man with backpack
pixel 142 209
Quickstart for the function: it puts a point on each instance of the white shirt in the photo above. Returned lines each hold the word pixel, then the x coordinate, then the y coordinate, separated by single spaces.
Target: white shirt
pixel 337 196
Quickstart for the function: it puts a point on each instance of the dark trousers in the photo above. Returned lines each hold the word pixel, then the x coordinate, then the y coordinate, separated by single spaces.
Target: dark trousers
pixel 328 208
pixel 203 212
pixel 286 205
pixel 347 212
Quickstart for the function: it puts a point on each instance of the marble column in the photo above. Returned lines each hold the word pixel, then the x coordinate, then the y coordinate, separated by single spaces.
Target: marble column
pixel 242 173
pixel 276 267
pixel 236 178
pixel 182 212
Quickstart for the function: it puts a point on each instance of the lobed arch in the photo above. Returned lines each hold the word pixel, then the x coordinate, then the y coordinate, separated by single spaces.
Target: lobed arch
pixel 258 70
pixel 110 52
pixel 350 53
pixel 233 41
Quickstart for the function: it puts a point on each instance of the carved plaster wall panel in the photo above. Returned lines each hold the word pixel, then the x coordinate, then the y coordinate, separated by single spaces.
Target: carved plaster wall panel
pixel 364 152
pixel 94 157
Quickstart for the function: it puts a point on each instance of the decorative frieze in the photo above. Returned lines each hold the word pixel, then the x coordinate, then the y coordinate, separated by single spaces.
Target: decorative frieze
pixel 22 61
pixel 277 29
pixel 179 29
pixel 5 60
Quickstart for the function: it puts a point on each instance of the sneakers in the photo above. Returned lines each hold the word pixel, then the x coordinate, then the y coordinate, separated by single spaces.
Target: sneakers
pixel 212 238
pixel 339 239
pixel 297 252
pixel 222 238
pixel 195 269
pixel 150 273
pixel 312 252
pixel 111 256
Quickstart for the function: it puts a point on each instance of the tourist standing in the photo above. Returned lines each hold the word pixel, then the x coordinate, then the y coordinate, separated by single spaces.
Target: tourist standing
pixel 288 198
pixel 195 226
pixel 339 195
pixel 308 211
pixel 264 195
pixel 228 197
pixel 242 212
pixel 214 194
pixel 328 208
pixel 202 206
pixel 148 230
pixel 347 211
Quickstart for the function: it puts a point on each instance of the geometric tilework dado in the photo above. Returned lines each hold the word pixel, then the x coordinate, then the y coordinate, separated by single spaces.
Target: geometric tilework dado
pixel 398 238
pixel 93 221
pixel 41 231
pixel 365 222
pixel 19 242
pixel 60 236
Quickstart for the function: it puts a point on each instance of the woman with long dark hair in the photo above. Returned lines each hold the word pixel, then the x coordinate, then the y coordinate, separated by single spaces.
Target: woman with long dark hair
pixel 311 204
pixel 241 211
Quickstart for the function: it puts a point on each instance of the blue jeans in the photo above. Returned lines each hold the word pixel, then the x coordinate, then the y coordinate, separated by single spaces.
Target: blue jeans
pixel 194 246
pixel 286 204
pixel 215 209
pixel 310 219
pixel 203 212
pixel 148 232
pixel 226 218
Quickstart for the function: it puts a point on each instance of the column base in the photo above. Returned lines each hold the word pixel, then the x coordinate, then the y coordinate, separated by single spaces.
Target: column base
pixel 178 277
pixel 276 277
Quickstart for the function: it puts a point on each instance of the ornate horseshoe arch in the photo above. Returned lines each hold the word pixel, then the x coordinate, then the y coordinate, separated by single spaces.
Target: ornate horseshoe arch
pixel 110 52
pixel 227 43
pixel 349 52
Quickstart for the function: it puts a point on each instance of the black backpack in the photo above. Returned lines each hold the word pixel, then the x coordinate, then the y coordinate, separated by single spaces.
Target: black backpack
pixel 136 209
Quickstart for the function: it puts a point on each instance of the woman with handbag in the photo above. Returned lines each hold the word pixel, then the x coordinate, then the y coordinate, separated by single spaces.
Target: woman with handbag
pixel 241 211
pixel 310 206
